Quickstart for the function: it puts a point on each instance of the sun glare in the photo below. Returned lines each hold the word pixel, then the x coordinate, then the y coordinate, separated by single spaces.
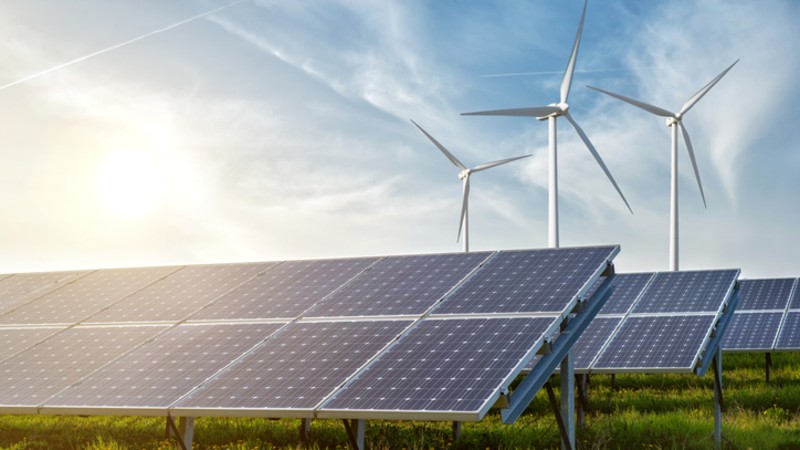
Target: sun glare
pixel 129 183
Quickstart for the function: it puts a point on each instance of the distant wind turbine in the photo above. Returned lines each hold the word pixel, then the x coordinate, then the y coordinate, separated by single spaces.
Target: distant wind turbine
pixel 675 121
pixel 551 112
pixel 464 175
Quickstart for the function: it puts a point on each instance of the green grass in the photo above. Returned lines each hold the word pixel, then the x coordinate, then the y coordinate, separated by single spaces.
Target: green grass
pixel 636 412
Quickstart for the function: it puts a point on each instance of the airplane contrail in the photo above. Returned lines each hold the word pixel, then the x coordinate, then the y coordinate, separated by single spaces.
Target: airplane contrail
pixel 555 72
pixel 121 44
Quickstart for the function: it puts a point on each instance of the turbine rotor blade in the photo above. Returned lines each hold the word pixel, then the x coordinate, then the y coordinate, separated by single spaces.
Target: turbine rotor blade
pixel 535 111
pixel 566 82
pixel 464 204
pixel 597 158
pixel 694 161
pixel 704 90
pixel 489 165
pixel 645 106
pixel 449 155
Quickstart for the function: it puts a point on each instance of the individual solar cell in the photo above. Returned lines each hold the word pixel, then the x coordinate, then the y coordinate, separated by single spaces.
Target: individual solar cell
pixel 691 291
pixel 285 290
pixel 15 340
pixel 658 343
pixel 454 365
pixel 764 294
pixel 31 377
pixel 789 338
pixel 399 285
pixel 529 281
pixel 627 287
pixel 752 331
pixel 78 300
pixel 180 294
pixel 158 373
pixel 296 368
pixel 20 288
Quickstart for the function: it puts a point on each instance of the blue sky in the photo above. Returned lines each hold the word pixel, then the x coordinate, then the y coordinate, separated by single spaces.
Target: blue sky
pixel 280 130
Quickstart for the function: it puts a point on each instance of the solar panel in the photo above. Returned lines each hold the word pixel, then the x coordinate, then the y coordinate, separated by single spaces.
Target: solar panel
pixel 771 294
pixel 455 365
pixel 15 340
pixel 285 290
pixel 794 303
pixel 627 288
pixel 294 369
pixel 20 288
pixel 180 294
pixel 158 373
pixel 752 331
pixel 789 338
pixel 29 378
pixel 545 281
pixel 78 300
pixel 680 292
pixel 656 343
pixel 399 285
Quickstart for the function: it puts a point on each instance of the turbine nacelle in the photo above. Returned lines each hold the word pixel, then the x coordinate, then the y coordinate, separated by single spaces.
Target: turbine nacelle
pixel 673 120
pixel 563 110
pixel 464 174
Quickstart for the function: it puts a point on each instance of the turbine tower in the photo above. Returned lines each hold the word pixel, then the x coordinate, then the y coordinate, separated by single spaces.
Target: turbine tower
pixel 551 113
pixel 675 121
pixel 464 176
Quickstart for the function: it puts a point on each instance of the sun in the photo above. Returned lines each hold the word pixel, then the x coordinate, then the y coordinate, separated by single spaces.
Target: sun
pixel 129 183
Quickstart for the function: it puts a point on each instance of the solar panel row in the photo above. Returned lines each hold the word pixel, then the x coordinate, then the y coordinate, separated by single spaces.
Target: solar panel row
pixel 292 339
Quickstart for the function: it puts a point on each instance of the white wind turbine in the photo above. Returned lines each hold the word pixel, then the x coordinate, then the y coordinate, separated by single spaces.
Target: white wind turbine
pixel 675 121
pixel 550 113
pixel 464 175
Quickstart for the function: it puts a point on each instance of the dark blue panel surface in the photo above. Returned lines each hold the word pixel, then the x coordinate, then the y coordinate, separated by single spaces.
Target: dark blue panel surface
pixel 285 290
pixel 592 340
pixel 158 373
pixel 695 291
pixel 789 338
pixel 627 287
pixel 444 365
pixel 656 342
pixel 529 281
pixel 399 285
pixel 752 331
pixel 794 303
pixel 297 367
pixel 764 294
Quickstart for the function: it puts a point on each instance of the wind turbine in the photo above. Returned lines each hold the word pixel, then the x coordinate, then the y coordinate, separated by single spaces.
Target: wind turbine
pixel 551 113
pixel 464 176
pixel 675 121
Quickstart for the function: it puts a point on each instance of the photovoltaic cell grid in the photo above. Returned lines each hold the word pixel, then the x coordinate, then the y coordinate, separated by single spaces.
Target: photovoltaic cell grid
pixel 789 338
pixel 544 281
pixel 285 290
pixel 762 315
pixel 228 367
pixel 687 292
pixel 399 285
pixel 627 287
pixel 162 370
pixel 456 365
pixel 17 289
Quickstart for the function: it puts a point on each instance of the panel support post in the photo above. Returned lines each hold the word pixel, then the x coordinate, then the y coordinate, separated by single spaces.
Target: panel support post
pixel 767 365
pixel 183 432
pixel 719 405
pixel 305 426
pixel 582 384
pixel 557 412
pixel 456 430
pixel 355 433
pixel 568 395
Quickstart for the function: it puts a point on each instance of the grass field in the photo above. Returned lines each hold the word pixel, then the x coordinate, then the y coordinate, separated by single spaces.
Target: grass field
pixel 637 412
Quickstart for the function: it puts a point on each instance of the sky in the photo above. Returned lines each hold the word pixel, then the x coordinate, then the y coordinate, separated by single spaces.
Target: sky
pixel 273 130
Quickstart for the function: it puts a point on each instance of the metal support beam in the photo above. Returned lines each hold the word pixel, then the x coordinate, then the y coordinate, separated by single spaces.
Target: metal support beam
pixel 562 428
pixel 183 432
pixel 768 365
pixel 582 388
pixel 536 379
pixel 355 433
pixel 305 426
pixel 456 430
pixel 568 396
pixel 719 404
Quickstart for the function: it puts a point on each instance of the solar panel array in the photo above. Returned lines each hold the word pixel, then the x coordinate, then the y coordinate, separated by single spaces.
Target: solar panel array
pixel 766 319
pixel 655 322
pixel 416 336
